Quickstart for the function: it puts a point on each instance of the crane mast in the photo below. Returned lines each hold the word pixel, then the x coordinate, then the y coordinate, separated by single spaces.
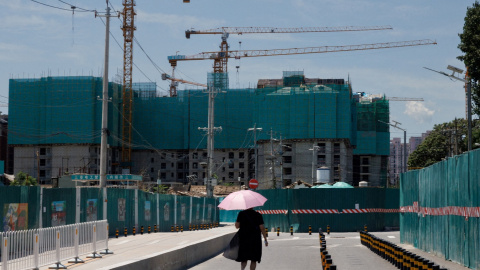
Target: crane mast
pixel 128 28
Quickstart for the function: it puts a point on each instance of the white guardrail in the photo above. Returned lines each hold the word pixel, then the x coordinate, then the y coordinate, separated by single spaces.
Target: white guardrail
pixel 31 249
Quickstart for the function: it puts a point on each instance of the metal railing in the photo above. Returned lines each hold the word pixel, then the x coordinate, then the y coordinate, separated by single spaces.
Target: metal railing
pixel 30 249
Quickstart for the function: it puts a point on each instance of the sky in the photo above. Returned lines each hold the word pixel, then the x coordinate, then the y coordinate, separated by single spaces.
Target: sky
pixel 43 38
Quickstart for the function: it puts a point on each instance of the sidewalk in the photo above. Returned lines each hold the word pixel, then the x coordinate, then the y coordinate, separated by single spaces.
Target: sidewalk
pixel 172 250
pixel 438 260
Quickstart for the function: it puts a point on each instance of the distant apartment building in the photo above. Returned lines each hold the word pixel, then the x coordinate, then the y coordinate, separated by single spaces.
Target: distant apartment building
pixel 397 153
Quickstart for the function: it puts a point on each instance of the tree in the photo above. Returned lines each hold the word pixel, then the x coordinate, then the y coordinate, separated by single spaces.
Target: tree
pixel 440 143
pixel 24 179
pixel 470 46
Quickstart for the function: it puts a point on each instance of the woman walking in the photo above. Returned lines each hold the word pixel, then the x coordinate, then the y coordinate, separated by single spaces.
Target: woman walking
pixel 250 225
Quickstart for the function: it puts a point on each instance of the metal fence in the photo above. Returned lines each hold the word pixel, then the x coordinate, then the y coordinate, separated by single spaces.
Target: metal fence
pixel 343 210
pixel 31 249
pixel 440 209
pixel 34 207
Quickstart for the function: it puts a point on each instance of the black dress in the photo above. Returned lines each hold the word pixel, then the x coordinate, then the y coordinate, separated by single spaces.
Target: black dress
pixel 250 236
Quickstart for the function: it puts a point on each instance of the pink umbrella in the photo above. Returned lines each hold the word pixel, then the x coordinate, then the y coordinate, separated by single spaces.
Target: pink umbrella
pixel 241 200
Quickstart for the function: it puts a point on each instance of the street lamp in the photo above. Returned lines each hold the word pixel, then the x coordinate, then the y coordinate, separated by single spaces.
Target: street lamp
pixel 468 81
pixel 404 141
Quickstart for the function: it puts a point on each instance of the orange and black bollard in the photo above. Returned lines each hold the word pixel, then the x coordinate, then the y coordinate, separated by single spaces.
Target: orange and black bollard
pixel 177 228
pixel 266 231
pixel 116 233
pixel 149 229
pixel 328 229
pixel 189 227
pixel 181 228
pixel 155 228
pixel 125 231
pixel 171 228
pixel 134 230
pixel 365 228
pixel 141 230
pixel 291 230
pixel 309 229
pixel 278 231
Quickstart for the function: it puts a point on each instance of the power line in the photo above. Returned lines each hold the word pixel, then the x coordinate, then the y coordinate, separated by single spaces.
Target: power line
pixel 69 10
pixel 75 7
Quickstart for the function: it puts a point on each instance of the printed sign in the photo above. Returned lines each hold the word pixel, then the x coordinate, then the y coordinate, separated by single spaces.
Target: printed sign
pixel 209 213
pixel 166 212
pixel 148 212
pixel 121 209
pixel 59 213
pixel 91 210
pixel 15 216
pixel 183 208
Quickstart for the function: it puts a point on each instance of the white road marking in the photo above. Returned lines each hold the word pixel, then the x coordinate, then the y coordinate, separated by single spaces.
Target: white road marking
pixel 391 236
pixel 121 243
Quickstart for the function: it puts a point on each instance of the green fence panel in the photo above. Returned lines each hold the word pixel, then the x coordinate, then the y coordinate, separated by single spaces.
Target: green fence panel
pixel 91 204
pixel 59 206
pixel 20 208
pixel 451 184
pixel 277 199
pixel 120 210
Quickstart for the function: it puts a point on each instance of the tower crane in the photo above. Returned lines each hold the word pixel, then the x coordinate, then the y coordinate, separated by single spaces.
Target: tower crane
pixel 175 81
pixel 403 99
pixel 220 64
pixel 128 27
pixel 215 56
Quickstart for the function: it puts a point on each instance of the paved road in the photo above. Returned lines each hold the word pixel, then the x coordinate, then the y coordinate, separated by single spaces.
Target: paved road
pixel 302 251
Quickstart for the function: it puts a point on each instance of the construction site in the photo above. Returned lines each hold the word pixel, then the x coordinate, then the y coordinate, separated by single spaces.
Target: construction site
pixel 61 133
pixel 282 131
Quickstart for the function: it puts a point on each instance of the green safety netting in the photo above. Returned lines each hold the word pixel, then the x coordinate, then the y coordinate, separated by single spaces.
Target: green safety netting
pixel 295 111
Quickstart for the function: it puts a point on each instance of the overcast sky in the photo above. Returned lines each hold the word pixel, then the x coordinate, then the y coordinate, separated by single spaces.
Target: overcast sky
pixel 38 40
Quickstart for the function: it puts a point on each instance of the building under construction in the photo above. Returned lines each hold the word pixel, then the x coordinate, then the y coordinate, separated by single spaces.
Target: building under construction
pixel 55 129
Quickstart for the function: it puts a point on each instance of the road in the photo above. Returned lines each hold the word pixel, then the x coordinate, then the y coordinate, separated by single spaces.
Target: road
pixel 302 251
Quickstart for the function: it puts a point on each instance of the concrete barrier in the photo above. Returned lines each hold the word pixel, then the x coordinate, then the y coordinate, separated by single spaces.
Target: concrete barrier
pixel 179 258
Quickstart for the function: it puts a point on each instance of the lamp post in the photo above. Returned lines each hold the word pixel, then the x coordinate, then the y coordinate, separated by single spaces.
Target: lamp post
pixel 314 150
pixel 468 83
pixel 255 129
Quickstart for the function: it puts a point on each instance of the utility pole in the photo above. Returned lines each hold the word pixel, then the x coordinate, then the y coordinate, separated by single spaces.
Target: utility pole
pixel 281 162
pixel 273 158
pixel 255 129
pixel 210 129
pixel 314 150
pixel 103 141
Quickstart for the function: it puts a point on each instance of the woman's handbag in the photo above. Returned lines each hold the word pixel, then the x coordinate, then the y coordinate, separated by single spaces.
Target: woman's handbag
pixel 231 252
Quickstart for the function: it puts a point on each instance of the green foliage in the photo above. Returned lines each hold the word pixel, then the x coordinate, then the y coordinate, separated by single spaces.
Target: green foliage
pixel 162 189
pixel 440 143
pixel 469 45
pixel 24 179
